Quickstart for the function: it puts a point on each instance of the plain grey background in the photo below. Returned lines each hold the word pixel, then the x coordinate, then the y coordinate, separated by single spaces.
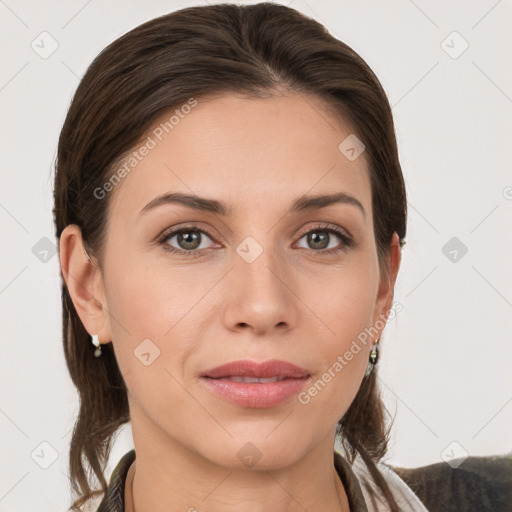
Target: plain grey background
pixel 445 365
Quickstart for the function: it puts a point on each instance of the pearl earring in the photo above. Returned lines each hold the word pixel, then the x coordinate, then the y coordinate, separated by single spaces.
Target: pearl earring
pixel 96 342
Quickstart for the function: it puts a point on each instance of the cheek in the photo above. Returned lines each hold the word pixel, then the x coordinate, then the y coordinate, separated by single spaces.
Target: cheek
pixel 149 302
pixel 149 314
pixel 345 310
pixel 155 315
pixel 343 302
pixel 141 310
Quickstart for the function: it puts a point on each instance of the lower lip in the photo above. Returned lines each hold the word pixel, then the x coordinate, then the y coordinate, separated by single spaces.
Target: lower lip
pixel 255 395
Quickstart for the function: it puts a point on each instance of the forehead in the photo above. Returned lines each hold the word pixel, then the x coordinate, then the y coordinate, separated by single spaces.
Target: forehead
pixel 252 153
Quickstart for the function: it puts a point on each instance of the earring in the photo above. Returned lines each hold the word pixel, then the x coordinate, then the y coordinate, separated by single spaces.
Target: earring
pixel 374 357
pixel 96 342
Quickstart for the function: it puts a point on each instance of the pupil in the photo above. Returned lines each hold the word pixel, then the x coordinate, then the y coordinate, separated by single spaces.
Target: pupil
pixel 188 239
pixel 321 241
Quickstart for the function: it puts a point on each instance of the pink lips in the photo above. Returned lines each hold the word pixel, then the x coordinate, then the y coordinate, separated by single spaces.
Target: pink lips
pixel 281 381
pixel 246 368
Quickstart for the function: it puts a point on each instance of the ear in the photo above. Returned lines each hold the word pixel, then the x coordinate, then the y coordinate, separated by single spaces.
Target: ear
pixel 84 282
pixel 385 293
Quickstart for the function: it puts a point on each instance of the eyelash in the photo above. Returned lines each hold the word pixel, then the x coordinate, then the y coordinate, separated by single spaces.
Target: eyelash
pixel 347 241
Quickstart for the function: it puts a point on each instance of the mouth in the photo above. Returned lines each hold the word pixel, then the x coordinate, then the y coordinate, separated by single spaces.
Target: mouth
pixel 255 385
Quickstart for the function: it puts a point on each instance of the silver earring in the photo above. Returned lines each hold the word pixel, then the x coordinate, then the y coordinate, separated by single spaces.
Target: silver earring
pixel 96 342
pixel 374 357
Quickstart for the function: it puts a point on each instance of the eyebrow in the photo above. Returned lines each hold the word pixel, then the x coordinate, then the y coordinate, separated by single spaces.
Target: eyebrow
pixel 303 203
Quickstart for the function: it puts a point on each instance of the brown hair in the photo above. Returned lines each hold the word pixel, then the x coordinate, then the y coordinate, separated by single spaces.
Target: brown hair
pixel 196 52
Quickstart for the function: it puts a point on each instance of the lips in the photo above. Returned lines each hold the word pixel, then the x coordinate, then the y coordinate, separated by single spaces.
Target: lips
pixel 251 371
pixel 256 385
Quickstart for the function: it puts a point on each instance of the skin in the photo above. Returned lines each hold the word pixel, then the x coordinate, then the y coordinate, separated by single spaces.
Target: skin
pixel 293 303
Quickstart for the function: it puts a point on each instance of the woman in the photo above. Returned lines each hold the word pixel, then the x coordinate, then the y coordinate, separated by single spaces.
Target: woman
pixel 231 210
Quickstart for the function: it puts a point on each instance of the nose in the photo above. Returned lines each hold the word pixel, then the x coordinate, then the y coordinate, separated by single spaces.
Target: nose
pixel 260 296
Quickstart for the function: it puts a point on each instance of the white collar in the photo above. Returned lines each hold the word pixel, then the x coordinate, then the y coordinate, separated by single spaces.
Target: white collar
pixel 403 494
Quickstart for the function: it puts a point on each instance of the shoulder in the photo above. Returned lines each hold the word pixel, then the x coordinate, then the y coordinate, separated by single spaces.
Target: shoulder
pixel 477 484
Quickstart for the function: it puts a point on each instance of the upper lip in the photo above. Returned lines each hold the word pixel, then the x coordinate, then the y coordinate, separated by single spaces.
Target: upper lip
pixel 266 369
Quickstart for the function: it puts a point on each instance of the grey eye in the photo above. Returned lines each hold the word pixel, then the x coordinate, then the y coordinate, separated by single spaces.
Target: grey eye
pixel 188 239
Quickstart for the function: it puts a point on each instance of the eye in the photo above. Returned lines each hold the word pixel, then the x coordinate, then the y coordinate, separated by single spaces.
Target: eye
pixel 189 241
pixel 321 239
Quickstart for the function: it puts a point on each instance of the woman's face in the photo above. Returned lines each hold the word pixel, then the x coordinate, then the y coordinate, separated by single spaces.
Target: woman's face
pixel 261 280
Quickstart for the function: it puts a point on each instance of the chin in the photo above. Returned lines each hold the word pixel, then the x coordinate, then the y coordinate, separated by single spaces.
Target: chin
pixel 258 451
